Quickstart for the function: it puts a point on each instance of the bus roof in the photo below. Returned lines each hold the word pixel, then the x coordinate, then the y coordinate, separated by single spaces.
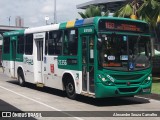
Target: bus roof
pixel 64 25
pixel 16 32
pixel 42 28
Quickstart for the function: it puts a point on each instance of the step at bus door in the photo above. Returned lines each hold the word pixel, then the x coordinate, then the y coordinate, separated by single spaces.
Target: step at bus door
pixel 13 56
pixel 38 57
pixel 88 64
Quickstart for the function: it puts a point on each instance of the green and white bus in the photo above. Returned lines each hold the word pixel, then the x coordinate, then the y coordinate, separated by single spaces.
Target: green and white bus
pixel 98 57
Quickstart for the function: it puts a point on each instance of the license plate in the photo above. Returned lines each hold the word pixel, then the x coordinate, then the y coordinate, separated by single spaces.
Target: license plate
pixel 146 90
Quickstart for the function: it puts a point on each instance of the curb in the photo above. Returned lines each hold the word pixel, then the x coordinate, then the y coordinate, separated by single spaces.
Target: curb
pixel 151 96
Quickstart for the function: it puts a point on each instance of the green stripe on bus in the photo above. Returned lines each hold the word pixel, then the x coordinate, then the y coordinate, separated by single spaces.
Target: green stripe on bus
pixel 17 32
pixel 63 25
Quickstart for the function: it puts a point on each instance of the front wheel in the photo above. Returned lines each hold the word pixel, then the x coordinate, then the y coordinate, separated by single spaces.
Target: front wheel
pixel 21 79
pixel 70 89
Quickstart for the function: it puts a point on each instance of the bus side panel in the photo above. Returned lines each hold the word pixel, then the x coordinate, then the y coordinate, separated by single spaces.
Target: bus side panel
pixel 52 75
pixel 6 66
pixel 28 71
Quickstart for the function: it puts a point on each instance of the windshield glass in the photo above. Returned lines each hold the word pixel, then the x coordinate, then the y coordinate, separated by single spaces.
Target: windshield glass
pixel 127 53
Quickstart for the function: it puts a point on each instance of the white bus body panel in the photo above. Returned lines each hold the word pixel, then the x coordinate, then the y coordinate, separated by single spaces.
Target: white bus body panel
pixel 42 29
pixel 28 68
pixel 52 79
pixel 7 67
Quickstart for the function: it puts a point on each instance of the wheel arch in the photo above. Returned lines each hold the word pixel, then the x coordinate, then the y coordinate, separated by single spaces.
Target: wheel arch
pixel 66 75
pixel 20 68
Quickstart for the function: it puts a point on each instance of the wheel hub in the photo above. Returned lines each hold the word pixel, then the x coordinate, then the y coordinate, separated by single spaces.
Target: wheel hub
pixel 70 88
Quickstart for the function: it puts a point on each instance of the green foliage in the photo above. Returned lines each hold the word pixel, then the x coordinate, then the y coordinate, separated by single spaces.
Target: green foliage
pixel 125 11
pixel 93 11
pixel 148 11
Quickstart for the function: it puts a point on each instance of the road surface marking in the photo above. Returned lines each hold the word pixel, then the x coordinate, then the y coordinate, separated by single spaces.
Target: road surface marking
pixel 78 118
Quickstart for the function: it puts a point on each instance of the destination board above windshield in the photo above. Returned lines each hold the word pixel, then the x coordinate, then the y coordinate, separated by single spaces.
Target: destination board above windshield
pixel 123 26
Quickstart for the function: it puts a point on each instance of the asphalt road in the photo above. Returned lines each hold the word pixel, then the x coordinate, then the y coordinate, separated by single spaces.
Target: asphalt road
pixel 31 99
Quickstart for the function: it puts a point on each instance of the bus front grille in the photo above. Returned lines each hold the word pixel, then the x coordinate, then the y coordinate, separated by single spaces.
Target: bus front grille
pixel 125 83
pixel 128 89
pixel 127 77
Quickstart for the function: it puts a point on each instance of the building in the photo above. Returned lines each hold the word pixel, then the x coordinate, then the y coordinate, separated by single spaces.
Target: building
pixel 19 21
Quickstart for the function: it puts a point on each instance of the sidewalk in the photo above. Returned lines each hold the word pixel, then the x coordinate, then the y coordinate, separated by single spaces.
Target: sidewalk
pixel 1 70
pixel 151 96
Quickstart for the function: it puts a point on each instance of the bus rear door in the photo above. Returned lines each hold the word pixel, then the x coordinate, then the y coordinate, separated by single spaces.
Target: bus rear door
pixel 38 58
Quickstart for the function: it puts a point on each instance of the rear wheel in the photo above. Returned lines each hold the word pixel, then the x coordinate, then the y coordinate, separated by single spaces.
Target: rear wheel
pixel 21 79
pixel 70 89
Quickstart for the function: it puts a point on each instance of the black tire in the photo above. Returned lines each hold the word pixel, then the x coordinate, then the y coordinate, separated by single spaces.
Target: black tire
pixel 70 89
pixel 21 79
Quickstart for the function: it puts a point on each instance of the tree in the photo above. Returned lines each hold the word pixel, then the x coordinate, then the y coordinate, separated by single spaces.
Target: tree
pixel 128 10
pixel 93 11
pixel 147 10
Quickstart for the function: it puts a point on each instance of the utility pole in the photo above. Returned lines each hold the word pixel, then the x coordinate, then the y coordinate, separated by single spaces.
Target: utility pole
pixel 9 20
pixel 55 15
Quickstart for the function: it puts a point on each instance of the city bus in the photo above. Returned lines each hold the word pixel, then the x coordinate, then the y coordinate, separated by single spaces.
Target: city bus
pixel 98 57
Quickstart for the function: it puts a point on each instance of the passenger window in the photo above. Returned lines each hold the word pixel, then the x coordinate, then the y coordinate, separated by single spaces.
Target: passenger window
pixel 29 44
pixel 55 43
pixel 20 47
pixel 70 42
pixel 6 45
pixel 46 43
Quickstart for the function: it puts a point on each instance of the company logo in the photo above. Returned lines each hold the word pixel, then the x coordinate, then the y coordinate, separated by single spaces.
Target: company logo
pixel 28 61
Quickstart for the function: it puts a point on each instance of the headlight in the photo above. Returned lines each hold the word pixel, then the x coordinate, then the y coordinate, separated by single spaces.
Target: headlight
pixel 108 80
pixel 147 80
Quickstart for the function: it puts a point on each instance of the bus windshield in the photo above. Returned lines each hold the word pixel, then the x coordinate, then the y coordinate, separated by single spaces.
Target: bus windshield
pixel 125 52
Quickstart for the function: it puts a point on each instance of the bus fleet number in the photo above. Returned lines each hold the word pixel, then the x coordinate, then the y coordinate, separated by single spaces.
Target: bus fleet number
pixel 62 62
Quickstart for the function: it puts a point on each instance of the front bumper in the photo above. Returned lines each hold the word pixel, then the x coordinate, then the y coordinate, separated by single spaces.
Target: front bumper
pixel 102 90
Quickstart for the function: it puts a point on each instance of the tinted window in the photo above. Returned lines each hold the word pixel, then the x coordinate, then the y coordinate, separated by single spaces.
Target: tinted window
pixel 46 43
pixel 20 47
pixel 29 44
pixel 70 42
pixel 54 43
pixel 6 45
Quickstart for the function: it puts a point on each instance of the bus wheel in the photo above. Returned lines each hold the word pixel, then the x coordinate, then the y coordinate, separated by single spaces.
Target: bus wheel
pixel 70 89
pixel 21 80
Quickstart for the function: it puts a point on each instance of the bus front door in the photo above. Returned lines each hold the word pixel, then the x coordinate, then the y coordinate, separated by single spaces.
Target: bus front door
pixel 88 64
pixel 13 56
pixel 38 58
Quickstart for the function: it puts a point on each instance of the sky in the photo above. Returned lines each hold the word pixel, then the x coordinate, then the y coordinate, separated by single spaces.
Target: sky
pixel 34 11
